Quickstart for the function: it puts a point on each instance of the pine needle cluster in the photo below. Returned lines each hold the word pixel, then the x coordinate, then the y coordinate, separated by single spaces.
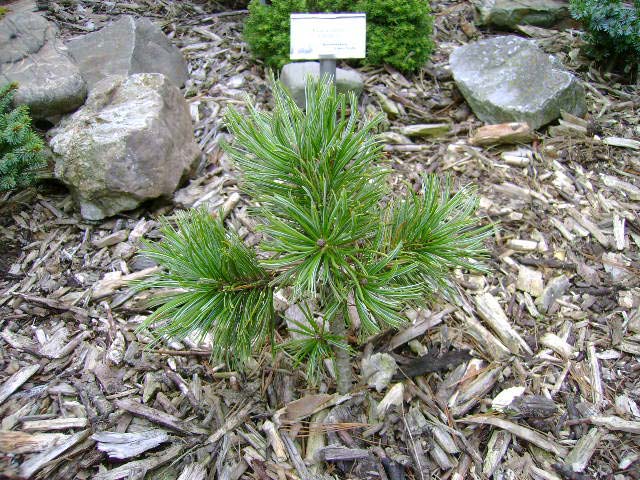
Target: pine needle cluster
pixel 332 233
pixel 20 147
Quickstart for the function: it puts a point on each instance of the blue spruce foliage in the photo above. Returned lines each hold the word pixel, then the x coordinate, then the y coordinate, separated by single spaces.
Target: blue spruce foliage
pixel 20 147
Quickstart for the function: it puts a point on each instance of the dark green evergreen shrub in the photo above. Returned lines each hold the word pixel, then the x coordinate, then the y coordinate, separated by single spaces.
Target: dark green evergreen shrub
pixel 613 29
pixel 398 32
pixel 20 147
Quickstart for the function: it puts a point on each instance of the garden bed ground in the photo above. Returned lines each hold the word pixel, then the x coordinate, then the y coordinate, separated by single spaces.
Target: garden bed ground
pixel 567 206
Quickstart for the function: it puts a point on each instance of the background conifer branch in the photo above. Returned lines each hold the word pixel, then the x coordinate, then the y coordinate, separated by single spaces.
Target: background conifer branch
pixel 20 147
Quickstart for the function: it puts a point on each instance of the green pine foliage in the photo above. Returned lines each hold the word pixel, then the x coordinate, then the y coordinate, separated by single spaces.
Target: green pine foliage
pixel 398 32
pixel 312 342
pixel 333 234
pixel 20 147
pixel 613 29
pixel 212 283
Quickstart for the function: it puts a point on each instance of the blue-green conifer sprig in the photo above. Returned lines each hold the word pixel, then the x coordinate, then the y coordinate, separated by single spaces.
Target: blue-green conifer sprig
pixel 21 148
pixel 612 29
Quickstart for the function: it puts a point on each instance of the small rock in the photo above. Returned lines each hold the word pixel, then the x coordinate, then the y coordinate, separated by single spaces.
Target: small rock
pixel 378 370
pixel 294 77
pixel 532 406
pixel 509 79
pixel 141 262
pixel 555 289
pixel 530 281
pixel 30 54
pixel 507 14
pixel 115 354
pixel 129 45
pixel 426 130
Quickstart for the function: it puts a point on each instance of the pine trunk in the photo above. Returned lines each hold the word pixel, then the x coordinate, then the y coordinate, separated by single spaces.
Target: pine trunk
pixel 344 373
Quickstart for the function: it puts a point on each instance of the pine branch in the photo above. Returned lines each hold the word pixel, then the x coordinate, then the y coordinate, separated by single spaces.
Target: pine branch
pixel 424 238
pixel 312 342
pixel 316 176
pixel 216 286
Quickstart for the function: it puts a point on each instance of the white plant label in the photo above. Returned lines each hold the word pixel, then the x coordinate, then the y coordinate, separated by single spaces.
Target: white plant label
pixel 328 35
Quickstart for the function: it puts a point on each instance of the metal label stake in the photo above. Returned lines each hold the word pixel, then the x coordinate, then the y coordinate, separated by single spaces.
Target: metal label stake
pixel 328 67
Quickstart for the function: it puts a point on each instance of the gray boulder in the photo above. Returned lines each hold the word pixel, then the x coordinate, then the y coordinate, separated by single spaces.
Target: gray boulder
pixel 49 82
pixel 132 141
pixel 128 46
pixel 508 79
pixel 294 77
pixel 507 14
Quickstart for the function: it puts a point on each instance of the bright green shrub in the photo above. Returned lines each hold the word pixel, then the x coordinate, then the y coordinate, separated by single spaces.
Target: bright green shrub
pixel 20 147
pixel 267 30
pixel 398 32
pixel 613 29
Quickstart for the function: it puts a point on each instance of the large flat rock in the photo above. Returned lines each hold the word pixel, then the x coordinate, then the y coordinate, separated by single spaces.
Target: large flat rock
pixel 507 14
pixel 127 46
pixel 30 54
pixel 509 79
pixel 132 141
pixel 294 77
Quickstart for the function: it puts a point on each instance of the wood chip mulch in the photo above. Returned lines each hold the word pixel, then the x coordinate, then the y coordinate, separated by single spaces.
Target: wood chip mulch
pixel 533 373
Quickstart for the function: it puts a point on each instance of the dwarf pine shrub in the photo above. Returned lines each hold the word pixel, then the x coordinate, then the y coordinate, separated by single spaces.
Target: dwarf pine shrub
pixel 332 233
pixel 398 32
pixel 20 147
pixel 612 30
